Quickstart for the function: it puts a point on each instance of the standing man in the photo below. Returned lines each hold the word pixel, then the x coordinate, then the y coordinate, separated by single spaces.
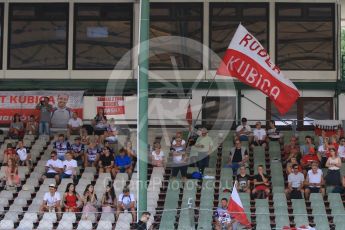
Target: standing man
pixel 61 114
pixel 203 145
pixel 45 111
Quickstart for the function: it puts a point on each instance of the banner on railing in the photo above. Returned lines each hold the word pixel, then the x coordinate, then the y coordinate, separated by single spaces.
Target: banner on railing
pixel 112 105
pixel 24 103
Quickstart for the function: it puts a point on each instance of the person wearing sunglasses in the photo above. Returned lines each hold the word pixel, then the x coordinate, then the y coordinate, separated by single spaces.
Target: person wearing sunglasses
pixel 295 184
pixel 54 167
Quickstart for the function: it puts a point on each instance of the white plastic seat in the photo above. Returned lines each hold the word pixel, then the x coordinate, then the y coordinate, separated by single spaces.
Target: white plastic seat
pixel 4 201
pixel 45 225
pixel 25 225
pixel 68 217
pixel 24 194
pixel 104 224
pixel 64 225
pixel 108 216
pixel 84 225
pixel 6 194
pixel 49 216
pixel 13 216
pixel 22 202
pixel 6 225
pixel 30 216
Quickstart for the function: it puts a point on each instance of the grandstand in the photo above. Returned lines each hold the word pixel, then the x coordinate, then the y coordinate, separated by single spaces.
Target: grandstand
pixel 85 55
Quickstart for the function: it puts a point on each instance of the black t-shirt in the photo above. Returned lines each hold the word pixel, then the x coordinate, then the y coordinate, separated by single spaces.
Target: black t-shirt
pixel 242 180
pixel 106 160
pixel 258 178
pixel 141 225
pixel 238 155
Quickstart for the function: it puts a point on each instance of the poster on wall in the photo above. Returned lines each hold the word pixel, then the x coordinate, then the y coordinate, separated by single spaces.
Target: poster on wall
pixel 112 105
pixel 24 103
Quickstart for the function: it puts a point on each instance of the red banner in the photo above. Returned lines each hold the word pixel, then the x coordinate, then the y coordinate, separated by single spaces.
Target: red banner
pixel 24 103
pixel 249 62
pixel 112 105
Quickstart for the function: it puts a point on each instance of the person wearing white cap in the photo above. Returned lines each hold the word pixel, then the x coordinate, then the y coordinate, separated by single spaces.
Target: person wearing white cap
pixel 51 201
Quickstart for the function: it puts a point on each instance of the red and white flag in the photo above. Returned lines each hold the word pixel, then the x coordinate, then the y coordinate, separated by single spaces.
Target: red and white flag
pixel 236 210
pixel 248 61
pixel 189 115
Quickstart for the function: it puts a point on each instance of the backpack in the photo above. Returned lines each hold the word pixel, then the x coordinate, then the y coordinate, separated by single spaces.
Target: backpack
pixel 196 175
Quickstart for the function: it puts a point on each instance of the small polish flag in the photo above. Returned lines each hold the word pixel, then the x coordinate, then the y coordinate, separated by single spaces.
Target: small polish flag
pixel 189 115
pixel 236 209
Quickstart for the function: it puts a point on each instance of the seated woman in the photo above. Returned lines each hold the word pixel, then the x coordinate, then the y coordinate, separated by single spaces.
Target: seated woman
pixel 273 134
pixel 106 161
pixel 31 126
pixel 24 156
pixel 100 123
pixel 89 201
pixel 16 128
pixel 130 150
pixel 10 152
pixel 91 155
pixel 111 133
pixel 70 199
pixel 11 172
pixel 157 156
pixel 109 199
pixel 333 176
pixel 261 183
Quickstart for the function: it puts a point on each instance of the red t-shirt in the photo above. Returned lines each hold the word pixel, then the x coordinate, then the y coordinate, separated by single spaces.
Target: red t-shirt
pixel 309 158
pixel 10 152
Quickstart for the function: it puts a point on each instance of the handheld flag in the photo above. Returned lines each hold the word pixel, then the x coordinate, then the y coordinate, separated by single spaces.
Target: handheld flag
pixel 249 62
pixel 189 115
pixel 236 209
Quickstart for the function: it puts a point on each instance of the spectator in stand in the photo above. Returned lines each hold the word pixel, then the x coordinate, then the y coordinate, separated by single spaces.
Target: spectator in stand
pixel 243 181
pixel 309 159
pixel 100 122
pixel 203 146
pixel 323 151
pixel 109 199
pixel 108 145
pixel 91 155
pixel 157 156
pixel 142 223
pixel 84 138
pixel 45 112
pixel 178 136
pixel 54 167
pixel 106 161
pixel 341 149
pixel 126 201
pixel 61 114
pixel 238 157
pixel 130 150
pixel 179 158
pixel 222 217
pixel 70 199
pixel 74 126
pixel 11 172
pixel 340 188
pixel 10 153
pixel 295 184
pixel 69 167
pixel 16 130
pixel 259 135
pixel 61 146
pixel 308 145
pixel 314 181
pixel 261 183
pixel 51 201
pixel 289 168
pixel 23 155
pixel 244 132
pixel 89 201
pixel 292 150
pixel 78 151
pixel 123 163
pixel 333 177
pixel 273 134
pixel 31 127
pixel 112 131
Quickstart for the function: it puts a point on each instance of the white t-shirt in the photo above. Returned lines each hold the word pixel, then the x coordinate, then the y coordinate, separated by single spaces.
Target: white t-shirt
pixel 178 158
pixel 69 166
pixel 247 128
pixel 259 134
pixel 22 153
pixel 158 157
pixel 51 200
pixel 75 123
pixel 315 178
pixel 55 164
pixel 341 151
pixel 126 200
pixel 295 180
